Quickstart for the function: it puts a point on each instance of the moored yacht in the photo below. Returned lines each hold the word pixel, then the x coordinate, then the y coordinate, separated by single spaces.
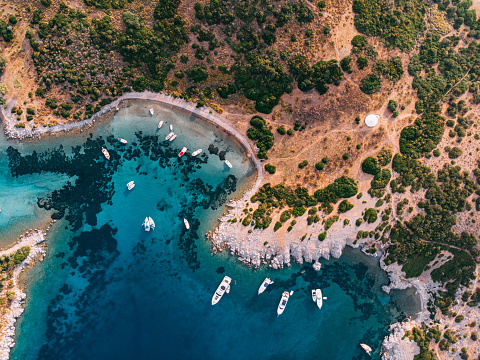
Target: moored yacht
pixel 173 137
pixel 367 348
pixel 170 134
pixel 196 152
pixel 320 298
pixel 283 302
pixel 314 295
pixel 146 224
pixel 181 153
pixel 151 111
pixel 222 288
pixel 122 141
pixel 228 163
pixel 187 225
pixel 160 124
pixel 130 185
pixel 171 127
pixel 151 223
pixel 106 153
pixel 264 285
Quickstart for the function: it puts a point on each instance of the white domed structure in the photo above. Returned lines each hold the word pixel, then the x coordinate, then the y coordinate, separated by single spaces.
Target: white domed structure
pixel 371 120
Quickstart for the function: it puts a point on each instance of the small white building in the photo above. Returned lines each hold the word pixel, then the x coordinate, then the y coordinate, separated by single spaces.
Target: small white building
pixel 371 120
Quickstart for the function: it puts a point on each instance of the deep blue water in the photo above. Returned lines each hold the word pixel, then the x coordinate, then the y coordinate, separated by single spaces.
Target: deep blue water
pixel 109 290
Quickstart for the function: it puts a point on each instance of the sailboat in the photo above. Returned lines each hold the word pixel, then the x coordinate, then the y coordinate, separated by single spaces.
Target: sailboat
pixel 152 224
pixel 264 285
pixel 146 224
pixel 367 348
pixel 222 288
pixel 130 185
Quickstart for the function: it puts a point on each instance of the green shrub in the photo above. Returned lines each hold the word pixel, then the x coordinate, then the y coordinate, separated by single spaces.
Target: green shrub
pixel 277 226
pixel 286 215
pixel 371 84
pixel 270 169
pixel 3 62
pixel 322 236
pixel 290 132
pixel 325 160
pixel 319 166
pixel 345 156
pixel 392 105
pixel 362 62
pixel 321 4
pixel 303 164
pixel 358 222
pixel 132 20
pixel 370 215
pixel 345 64
pixel 381 179
pixel 345 206
pixel 281 130
pixel 454 152
pixel 370 166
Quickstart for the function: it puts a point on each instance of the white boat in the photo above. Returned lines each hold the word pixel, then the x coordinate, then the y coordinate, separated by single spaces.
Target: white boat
pixel 228 163
pixel 151 223
pixel 130 185
pixel 264 285
pixel 151 112
pixel 181 153
pixel 171 127
pixel 196 152
pixel 117 109
pixel 320 298
pixel 367 348
pixel 146 224
pixel 283 302
pixel 314 295
pixel 187 225
pixel 105 153
pixel 173 137
pixel 224 286
pixel 122 141
pixel 170 134
pixel 160 124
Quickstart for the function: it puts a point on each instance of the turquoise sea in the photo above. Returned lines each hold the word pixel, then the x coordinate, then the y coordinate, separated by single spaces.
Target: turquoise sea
pixel 109 290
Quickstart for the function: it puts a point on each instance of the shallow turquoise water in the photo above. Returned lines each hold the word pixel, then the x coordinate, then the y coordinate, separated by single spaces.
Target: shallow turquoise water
pixel 109 290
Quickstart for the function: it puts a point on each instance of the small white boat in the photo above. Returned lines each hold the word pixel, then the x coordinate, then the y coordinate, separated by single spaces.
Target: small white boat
pixel 187 225
pixel 171 127
pixel 228 163
pixel 117 109
pixel 283 302
pixel 160 124
pixel 151 112
pixel 367 348
pixel 170 134
pixel 314 295
pixel 173 137
pixel 181 153
pixel 196 152
pixel 105 153
pixel 130 185
pixel 152 224
pixel 264 285
pixel 224 286
pixel 122 141
pixel 320 298
pixel 146 224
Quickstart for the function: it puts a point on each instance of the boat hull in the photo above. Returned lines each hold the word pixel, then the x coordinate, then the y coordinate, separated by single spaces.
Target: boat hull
pixel 222 288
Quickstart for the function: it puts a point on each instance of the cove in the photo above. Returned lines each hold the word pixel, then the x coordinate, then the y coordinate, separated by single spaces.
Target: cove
pixel 109 290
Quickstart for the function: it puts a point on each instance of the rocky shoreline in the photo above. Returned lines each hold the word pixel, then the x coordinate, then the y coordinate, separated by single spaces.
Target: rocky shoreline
pixel 35 240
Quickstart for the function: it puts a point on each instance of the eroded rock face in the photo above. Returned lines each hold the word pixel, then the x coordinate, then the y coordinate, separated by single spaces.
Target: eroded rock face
pixel 395 347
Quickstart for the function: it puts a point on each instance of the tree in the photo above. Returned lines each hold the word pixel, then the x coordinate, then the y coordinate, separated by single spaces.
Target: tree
pixel 166 9
pixel 345 206
pixel 270 169
pixel 132 21
pixel 370 215
pixel 370 166
pixel 392 105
